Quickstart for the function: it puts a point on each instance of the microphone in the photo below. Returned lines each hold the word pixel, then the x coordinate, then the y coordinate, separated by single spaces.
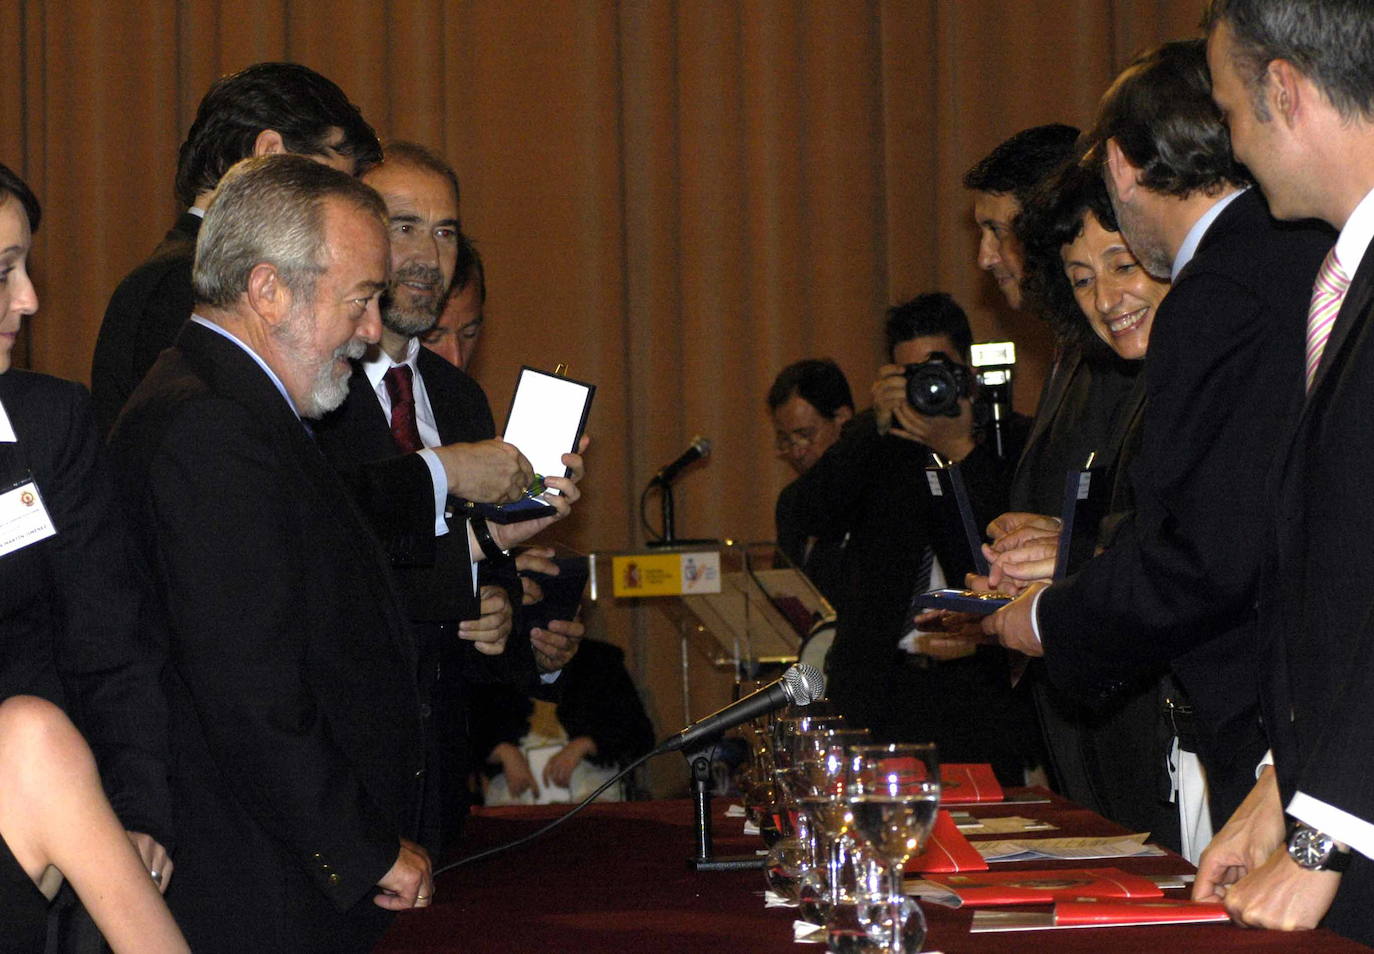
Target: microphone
pixel 701 448
pixel 802 684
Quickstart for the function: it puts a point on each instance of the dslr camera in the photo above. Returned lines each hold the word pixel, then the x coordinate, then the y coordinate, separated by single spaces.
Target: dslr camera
pixel 935 385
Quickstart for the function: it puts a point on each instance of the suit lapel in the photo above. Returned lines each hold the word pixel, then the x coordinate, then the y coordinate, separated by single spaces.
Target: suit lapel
pixel 1055 390
pixel 444 399
pixel 12 463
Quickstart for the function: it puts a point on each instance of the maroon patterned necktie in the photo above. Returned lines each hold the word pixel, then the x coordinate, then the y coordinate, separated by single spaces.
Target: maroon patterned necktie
pixel 403 429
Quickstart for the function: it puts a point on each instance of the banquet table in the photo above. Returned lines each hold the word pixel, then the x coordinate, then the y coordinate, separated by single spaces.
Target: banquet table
pixel 616 878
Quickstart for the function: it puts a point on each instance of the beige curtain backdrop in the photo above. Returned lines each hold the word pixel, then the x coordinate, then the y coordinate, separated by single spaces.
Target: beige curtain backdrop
pixel 674 198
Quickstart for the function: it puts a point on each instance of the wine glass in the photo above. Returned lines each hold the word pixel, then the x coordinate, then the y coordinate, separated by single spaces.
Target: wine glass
pixel 791 744
pixel 893 794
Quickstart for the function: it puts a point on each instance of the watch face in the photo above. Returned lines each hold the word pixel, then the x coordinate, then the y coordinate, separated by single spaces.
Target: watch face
pixel 1309 848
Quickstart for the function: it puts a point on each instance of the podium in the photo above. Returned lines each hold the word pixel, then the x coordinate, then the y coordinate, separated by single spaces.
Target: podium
pixel 742 606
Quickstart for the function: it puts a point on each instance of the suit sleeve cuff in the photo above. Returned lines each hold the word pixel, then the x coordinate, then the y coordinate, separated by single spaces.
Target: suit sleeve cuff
pixel 439 477
pixel 1330 820
pixel 1035 616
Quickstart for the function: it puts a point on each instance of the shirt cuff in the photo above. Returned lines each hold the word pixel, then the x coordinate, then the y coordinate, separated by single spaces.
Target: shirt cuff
pixel 439 477
pixel 1330 820
pixel 1267 760
pixel 1035 616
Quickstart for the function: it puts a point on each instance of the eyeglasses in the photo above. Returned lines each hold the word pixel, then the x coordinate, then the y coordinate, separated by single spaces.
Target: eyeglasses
pixel 799 439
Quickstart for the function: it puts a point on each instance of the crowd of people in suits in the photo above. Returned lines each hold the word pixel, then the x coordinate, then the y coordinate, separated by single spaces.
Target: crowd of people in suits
pixel 263 603
pixel 1195 663
pixel 236 666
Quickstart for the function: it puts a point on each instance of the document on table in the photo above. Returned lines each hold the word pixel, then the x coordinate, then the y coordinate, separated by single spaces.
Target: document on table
pixel 1006 825
pixel 1069 849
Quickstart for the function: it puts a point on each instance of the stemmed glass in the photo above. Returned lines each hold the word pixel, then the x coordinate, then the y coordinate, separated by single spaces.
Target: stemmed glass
pixel 824 764
pixel 790 735
pixel 893 794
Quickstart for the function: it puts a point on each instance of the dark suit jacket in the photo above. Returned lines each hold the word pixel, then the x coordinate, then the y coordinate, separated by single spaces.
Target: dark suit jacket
pixel 145 313
pixel 1081 410
pixel 1315 608
pixel 395 490
pixel 598 699
pixel 295 713
pixel 70 604
pixel 396 494
pixel 1110 755
pixel 875 488
pixel 1223 377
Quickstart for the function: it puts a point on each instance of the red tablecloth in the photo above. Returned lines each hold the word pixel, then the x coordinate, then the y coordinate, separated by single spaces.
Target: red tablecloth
pixel 615 878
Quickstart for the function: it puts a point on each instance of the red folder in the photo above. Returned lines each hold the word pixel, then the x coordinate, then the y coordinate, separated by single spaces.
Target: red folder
pixel 947 850
pixel 1046 887
pixel 1084 913
pixel 962 784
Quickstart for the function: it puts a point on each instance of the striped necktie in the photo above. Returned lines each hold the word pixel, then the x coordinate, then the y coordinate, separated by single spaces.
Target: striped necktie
pixel 1327 294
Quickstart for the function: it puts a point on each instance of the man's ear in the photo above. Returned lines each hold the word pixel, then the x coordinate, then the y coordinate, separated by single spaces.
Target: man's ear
pixel 269 143
pixel 1287 91
pixel 843 413
pixel 268 295
pixel 1122 173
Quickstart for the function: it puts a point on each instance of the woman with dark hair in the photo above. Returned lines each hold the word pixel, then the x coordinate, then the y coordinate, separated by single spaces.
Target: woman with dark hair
pixel 55 821
pixel 1079 271
pixel 1119 755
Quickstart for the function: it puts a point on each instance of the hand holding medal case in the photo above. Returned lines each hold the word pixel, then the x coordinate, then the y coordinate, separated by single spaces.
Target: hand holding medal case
pixel 548 415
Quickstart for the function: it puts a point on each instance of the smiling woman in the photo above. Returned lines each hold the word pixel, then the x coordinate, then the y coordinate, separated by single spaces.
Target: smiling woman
pixel 1079 271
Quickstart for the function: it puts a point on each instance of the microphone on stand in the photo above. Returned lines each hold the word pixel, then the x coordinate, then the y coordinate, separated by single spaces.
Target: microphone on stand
pixel 663 480
pixel 699 450
pixel 801 685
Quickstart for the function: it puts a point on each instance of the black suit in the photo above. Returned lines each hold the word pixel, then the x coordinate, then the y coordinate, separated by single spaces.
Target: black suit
pixel 1223 377
pixel 145 313
pixel 70 605
pixel 296 725
pixel 396 493
pixel 1315 607
pixel 1109 756
pixel 875 489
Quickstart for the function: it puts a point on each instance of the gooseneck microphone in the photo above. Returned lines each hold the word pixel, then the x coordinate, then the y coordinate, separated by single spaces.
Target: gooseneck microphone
pixel 700 449
pixel 801 685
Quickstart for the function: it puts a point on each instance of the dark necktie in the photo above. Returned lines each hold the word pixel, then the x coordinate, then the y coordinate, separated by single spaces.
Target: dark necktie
pixel 403 429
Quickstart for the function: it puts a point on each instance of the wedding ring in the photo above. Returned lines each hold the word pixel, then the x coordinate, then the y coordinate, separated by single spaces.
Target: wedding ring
pixel 156 876
pixel 421 897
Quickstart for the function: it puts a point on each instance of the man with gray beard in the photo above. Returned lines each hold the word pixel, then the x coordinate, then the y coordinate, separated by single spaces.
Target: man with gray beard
pixel 295 806
pixel 413 438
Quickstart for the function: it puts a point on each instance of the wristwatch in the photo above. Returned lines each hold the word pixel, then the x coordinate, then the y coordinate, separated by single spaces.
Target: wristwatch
pixel 482 533
pixel 1315 851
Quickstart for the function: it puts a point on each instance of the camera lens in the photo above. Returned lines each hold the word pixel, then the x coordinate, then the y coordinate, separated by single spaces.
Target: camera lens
pixel 935 386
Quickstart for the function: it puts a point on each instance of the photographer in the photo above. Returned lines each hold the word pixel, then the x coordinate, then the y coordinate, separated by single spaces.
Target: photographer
pixel 872 485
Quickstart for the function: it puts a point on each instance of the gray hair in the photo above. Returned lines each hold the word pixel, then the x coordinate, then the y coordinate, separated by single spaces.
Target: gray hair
pixel 1331 41
pixel 269 209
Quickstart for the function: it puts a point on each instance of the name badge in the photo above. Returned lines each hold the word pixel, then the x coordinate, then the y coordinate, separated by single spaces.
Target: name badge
pixel 23 518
